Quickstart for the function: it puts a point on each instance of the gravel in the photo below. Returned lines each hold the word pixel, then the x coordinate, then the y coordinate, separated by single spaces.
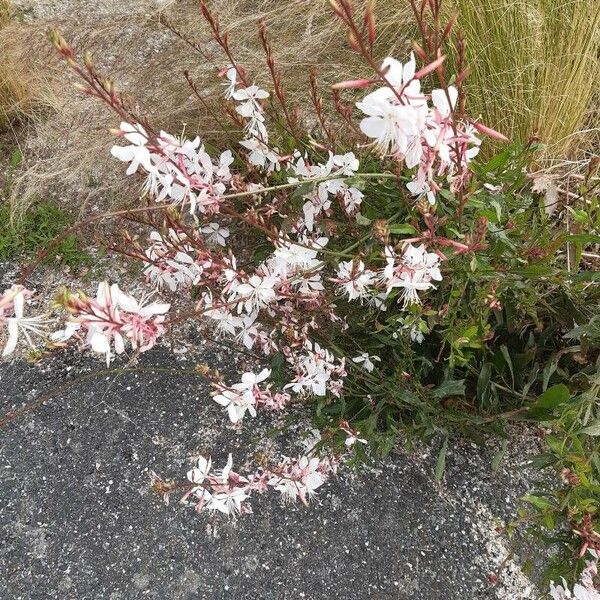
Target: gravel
pixel 80 521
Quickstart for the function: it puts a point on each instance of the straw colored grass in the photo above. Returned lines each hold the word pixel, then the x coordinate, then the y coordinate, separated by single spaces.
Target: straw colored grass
pixel 15 98
pixel 534 67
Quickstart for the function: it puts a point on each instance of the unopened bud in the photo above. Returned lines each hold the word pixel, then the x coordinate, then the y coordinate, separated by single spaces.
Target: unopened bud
pixel 380 230
pixel 430 68
pixel 87 61
pixel 203 369
pixel 353 41
pixel 425 208
pixel 450 25
pixel 420 52
pixel 352 84
pixel 337 9
pixel 370 21
pixel 485 130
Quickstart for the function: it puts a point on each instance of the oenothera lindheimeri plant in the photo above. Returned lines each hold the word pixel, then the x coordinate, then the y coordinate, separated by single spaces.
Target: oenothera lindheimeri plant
pixel 366 265
pixel 299 200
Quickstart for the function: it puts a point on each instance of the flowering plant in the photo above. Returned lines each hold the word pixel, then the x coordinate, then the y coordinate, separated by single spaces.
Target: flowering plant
pixel 384 274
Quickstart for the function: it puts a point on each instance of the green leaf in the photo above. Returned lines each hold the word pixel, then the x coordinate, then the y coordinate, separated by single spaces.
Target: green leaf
pixel 534 271
pixel 541 461
pixel 403 228
pixel 497 460
pixel 554 396
pixel 450 388
pixel 506 355
pixel 593 429
pixel 483 382
pixel 440 465
pixel 16 158
pixel 538 502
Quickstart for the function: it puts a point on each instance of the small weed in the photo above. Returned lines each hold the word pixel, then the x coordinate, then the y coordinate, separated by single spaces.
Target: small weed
pixel 23 238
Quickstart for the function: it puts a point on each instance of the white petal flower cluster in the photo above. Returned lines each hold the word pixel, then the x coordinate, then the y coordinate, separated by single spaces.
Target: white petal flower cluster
pixel 178 170
pixel 403 124
pixel 243 396
pixel 355 281
pixel 111 318
pixel 319 199
pixel 317 372
pixel 411 273
pixel 225 491
pixel 170 263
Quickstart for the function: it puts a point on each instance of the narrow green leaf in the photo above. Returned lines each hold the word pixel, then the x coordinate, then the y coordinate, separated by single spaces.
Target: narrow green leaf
pixel 440 466
pixel 450 388
pixel 499 456
pixel 403 228
pixel 593 429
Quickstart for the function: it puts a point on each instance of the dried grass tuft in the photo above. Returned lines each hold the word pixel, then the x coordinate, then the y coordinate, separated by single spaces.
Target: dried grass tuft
pixel 18 88
pixel 533 70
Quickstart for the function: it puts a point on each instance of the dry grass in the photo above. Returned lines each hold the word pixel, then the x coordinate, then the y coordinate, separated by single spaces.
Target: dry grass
pixel 15 97
pixel 527 56
pixel 147 61
pixel 535 67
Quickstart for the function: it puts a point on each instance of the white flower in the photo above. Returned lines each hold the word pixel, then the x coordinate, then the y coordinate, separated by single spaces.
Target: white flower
pixel 261 155
pixel 249 380
pixel 229 502
pixel 19 323
pixel 240 397
pixel 440 100
pixel 257 293
pixel 231 76
pixel 416 335
pixel 347 163
pixel 354 279
pixel 414 272
pixel 137 154
pixel 352 439
pixel 420 190
pixel 300 479
pixel 237 403
pixel 215 234
pixel 391 125
pixel 129 304
pixel 289 257
pixel 134 133
pixel 226 321
pixel 198 474
pixel 249 97
pixel 366 360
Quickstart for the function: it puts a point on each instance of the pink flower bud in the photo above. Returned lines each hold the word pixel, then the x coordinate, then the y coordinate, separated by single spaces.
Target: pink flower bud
pixel 430 68
pixel 352 84
pixel 485 130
